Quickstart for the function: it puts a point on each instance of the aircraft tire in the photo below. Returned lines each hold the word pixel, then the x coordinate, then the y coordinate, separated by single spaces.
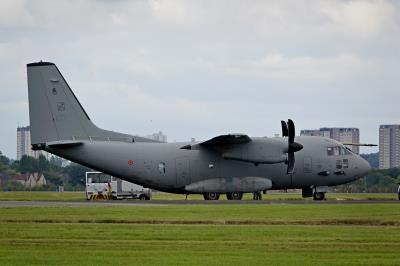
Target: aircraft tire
pixel 319 196
pixel 234 195
pixel 211 196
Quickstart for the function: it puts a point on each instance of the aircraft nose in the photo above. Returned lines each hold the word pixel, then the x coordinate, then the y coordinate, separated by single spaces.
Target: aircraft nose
pixel 363 167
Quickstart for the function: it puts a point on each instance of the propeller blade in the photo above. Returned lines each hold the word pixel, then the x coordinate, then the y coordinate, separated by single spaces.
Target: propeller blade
pixel 291 162
pixel 292 131
pixel 292 146
pixel 285 131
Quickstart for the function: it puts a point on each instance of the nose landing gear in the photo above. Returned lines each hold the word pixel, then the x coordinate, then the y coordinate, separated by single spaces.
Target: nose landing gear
pixel 318 193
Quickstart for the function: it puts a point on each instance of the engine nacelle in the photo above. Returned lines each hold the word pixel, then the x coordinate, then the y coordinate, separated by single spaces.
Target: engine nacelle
pixel 261 151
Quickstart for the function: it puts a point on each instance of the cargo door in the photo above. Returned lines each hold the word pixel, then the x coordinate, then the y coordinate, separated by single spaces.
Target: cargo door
pixel 182 171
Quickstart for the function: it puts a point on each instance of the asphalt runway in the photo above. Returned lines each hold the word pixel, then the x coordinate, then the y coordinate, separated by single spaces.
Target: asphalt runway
pixel 10 204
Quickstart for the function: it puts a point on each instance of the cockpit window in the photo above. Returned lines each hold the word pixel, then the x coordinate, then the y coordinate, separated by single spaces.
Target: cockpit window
pixel 335 151
pixel 347 151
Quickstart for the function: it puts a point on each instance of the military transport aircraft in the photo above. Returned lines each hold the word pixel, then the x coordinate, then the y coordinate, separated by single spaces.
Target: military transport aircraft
pixel 229 164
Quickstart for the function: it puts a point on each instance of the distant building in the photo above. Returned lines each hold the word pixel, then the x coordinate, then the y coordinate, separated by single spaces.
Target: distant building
pixel 349 135
pixel 316 133
pixel 31 180
pixel 159 136
pixel 389 146
pixel 24 144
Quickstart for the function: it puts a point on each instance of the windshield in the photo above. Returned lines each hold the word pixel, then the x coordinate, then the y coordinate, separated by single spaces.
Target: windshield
pixel 98 178
pixel 338 150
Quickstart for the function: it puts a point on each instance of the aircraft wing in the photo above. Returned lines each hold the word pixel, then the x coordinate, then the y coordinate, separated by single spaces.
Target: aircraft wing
pixel 227 140
pixel 222 140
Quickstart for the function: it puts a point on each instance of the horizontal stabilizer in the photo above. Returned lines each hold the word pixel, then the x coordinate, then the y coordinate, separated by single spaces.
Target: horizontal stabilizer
pixel 64 144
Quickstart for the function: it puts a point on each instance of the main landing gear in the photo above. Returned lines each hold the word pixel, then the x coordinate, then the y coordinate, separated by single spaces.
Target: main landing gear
pixel 211 196
pixel 234 195
pixel 229 195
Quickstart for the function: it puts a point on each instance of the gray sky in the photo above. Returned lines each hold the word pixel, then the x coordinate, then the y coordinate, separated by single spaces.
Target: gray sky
pixel 203 68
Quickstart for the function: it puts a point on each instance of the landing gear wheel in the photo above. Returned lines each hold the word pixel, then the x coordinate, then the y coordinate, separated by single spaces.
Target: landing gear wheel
pixel 234 195
pixel 319 196
pixel 211 196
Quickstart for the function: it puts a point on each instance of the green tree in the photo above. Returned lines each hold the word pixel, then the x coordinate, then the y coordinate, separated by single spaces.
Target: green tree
pixel 54 177
pixel 3 159
pixel 14 185
pixel 43 164
pixel 28 164
pixel 76 173
pixel 55 163
pixel 5 167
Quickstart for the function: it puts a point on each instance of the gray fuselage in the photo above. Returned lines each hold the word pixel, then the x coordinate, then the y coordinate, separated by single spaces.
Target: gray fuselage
pixel 168 167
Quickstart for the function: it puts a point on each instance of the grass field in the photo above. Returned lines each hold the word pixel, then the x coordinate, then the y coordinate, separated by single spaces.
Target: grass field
pixel 78 196
pixel 277 234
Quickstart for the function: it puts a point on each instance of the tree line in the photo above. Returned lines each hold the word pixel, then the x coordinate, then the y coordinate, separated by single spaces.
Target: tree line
pixel 56 174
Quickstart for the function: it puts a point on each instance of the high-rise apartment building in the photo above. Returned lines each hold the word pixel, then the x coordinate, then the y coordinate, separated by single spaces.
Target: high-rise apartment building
pixel 389 146
pixel 24 143
pixel 341 134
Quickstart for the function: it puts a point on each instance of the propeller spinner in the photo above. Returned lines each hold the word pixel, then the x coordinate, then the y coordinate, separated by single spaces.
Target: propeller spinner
pixel 288 130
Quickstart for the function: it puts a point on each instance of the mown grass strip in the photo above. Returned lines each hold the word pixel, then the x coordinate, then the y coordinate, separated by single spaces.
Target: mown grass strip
pixel 141 244
pixel 343 222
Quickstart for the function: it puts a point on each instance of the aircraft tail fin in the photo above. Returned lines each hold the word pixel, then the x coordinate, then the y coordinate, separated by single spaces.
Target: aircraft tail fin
pixel 54 111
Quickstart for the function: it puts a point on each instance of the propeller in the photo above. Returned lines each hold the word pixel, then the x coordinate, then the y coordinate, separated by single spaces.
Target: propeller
pixel 285 131
pixel 288 130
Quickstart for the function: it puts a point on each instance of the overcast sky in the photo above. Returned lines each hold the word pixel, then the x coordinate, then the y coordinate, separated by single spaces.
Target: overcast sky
pixel 203 68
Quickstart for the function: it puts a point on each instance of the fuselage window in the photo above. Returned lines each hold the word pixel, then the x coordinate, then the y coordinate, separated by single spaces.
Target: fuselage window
pixel 161 168
pixel 330 151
